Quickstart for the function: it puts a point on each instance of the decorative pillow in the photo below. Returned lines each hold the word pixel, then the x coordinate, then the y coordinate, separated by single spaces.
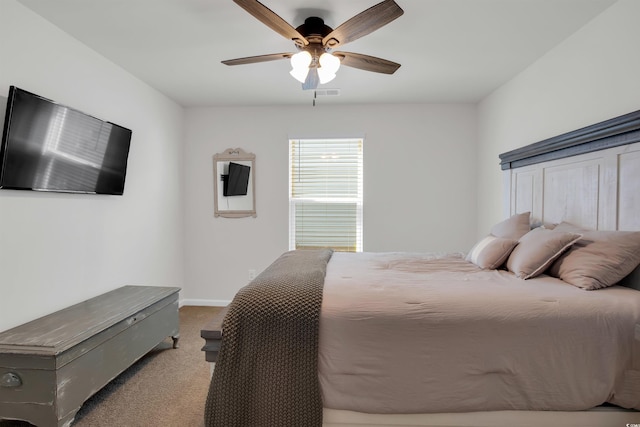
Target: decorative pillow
pixel 491 252
pixel 537 249
pixel 598 260
pixel 514 227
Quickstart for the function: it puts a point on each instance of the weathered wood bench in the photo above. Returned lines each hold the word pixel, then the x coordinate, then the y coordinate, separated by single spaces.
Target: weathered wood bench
pixel 50 366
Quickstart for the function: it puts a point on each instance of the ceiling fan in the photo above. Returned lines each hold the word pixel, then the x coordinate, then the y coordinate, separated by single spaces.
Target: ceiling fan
pixel 315 62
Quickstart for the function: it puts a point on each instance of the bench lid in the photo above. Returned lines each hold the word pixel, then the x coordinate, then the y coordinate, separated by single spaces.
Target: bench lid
pixel 59 331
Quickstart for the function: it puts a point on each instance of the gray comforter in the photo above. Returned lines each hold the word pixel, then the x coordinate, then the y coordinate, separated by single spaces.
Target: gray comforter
pixel 418 333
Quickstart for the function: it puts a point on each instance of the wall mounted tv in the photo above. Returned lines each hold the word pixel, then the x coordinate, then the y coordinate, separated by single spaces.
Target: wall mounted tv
pixel 237 182
pixel 47 146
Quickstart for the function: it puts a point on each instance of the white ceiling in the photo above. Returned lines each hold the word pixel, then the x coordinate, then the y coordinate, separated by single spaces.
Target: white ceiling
pixel 450 50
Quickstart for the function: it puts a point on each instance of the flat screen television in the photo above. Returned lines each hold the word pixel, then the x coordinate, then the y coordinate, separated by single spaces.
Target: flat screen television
pixel 47 146
pixel 237 180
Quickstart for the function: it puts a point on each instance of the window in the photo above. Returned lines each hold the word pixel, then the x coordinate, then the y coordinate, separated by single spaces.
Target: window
pixel 325 194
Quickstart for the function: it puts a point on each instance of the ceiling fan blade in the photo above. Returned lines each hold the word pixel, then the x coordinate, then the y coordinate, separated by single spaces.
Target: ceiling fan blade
pixel 367 63
pixel 363 23
pixel 272 20
pixel 260 58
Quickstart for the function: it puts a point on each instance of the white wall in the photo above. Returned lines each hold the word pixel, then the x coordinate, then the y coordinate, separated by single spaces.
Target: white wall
pixel 419 175
pixel 590 77
pixel 59 249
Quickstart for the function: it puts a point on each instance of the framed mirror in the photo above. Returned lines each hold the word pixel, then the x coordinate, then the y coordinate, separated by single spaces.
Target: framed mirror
pixel 234 184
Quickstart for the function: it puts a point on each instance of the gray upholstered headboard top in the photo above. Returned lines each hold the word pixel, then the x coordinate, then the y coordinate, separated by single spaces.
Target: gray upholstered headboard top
pixel 619 131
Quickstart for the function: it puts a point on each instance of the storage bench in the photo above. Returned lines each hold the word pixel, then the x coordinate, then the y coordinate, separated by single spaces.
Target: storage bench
pixel 50 366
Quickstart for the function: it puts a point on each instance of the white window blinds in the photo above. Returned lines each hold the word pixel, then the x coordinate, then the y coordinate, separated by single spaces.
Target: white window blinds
pixel 325 194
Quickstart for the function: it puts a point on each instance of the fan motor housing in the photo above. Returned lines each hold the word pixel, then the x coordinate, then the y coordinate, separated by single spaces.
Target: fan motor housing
pixel 314 27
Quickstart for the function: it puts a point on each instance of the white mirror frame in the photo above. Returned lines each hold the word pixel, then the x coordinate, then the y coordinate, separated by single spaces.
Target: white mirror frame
pixel 233 206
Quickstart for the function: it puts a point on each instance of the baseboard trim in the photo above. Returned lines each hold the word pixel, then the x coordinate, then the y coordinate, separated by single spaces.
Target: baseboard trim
pixel 204 302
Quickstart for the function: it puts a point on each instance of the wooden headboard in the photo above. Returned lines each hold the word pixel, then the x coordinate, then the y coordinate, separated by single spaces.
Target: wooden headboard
pixel 589 177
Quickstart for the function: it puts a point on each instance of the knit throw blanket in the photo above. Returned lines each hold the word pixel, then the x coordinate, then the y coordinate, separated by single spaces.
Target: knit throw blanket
pixel 266 373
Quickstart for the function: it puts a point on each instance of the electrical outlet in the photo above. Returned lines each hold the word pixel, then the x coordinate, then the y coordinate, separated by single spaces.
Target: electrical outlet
pixel 252 274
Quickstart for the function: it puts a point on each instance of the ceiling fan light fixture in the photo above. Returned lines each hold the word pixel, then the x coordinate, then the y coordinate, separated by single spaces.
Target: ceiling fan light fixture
pixel 329 65
pixel 325 76
pixel 300 63
pixel 300 74
pixel 329 62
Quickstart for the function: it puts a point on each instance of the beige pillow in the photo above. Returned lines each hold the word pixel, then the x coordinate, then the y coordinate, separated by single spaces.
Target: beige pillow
pixel 537 250
pixel 598 260
pixel 514 227
pixel 491 252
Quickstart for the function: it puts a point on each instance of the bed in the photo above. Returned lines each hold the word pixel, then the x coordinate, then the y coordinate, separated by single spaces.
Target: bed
pixel 539 323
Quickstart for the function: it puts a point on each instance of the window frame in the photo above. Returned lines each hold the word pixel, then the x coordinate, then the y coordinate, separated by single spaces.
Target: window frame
pixel 358 199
